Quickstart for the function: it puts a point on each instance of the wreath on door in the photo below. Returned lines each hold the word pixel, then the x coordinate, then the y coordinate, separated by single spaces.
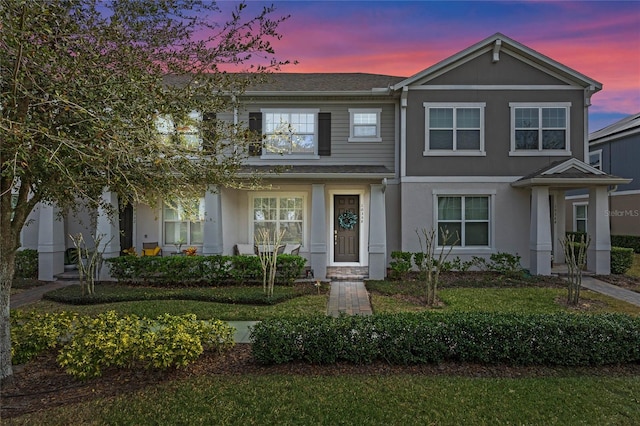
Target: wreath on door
pixel 347 220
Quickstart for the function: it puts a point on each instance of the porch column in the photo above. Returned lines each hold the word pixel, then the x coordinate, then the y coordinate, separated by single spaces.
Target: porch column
pixel 540 231
pixel 599 251
pixel 50 242
pixel 377 233
pixel 108 228
pixel 318 243
pixel 559 227
pixel 212 226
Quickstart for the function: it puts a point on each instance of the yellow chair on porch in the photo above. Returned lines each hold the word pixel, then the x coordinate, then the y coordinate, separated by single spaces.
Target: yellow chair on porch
pixel 151 249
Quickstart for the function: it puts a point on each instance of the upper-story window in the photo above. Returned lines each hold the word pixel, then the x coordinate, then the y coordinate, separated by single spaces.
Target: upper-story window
pixel 595 159
pixel 540 129
pixel 454 129
pixel 290 132
pixel 364 125
pixel 185 133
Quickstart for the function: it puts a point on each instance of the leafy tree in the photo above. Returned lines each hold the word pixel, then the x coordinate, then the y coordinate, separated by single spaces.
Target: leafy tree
pixel 83 85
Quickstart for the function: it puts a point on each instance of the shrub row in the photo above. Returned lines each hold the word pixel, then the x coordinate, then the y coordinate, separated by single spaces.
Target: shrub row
pixel 417 338
pixel 621 259
pixel 628 241
pixel 88 345
pixel 26 264
pixel 404 261
pixel 201 270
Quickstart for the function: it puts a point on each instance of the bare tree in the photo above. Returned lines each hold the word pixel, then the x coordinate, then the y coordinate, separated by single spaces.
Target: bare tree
pixel 575 253
pixel 268 248
pixel 430 263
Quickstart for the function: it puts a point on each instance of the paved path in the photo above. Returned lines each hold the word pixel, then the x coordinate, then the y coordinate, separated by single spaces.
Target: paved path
pixel 611 290
pixel 348 297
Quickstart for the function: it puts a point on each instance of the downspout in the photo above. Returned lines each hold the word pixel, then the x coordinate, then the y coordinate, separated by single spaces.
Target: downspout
pixel 403 131
pixel 588 92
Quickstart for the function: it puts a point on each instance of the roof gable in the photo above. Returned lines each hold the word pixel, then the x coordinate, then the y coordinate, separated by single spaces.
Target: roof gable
pixel 497 45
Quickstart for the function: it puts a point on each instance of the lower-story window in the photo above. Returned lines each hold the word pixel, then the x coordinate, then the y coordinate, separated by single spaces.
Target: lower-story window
pixel 182 222
pixel 466 218
pixel 279 213
pixel 580 218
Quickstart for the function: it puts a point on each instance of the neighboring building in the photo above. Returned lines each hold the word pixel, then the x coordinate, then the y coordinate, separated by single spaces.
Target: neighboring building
pixel 614 150
pixel 484 143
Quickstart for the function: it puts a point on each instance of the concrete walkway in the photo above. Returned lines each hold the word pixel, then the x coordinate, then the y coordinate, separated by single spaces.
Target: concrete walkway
pixel 611 290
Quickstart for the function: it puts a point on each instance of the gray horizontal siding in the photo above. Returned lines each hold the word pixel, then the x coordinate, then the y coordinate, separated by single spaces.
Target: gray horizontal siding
pixel 342 151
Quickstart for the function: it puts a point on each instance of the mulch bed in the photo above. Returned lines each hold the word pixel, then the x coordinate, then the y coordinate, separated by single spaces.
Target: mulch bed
pixel 624 281
pixel 42 384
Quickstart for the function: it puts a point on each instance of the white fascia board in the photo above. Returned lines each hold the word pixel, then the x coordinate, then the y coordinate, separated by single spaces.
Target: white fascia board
pixel 570 182
pixel 459 179
pixel 508 46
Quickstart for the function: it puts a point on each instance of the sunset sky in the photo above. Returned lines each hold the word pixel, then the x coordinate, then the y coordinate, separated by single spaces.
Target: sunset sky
pixel 600 39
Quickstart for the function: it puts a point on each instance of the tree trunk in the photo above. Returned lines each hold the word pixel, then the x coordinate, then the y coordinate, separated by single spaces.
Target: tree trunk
pixel 7 267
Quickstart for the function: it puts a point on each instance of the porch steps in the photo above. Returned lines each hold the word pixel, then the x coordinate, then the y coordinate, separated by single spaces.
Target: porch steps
pixel 347 273
pixel 72 275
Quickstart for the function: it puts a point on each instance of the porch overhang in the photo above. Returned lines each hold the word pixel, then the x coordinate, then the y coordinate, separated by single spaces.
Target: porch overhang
pixel 570 182
pixel 328 172
pixel 569 174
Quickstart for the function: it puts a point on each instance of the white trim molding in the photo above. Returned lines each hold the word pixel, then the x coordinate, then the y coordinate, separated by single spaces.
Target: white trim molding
pixel 454 151
pixel 352 125
pixel 540 151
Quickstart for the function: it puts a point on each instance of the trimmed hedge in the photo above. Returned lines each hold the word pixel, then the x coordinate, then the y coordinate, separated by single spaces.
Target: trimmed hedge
pixel 621 259
pixel 201 270
pixel 628 241
pixel 417 338
pixel 26 264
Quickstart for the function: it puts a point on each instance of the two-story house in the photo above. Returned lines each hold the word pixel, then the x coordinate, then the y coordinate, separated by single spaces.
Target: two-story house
pixel 484 144
pixel 614 150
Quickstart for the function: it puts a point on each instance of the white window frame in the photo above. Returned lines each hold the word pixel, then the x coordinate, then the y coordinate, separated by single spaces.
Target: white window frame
pixel 353 125
pixel 598 164
pixel 290 155
pixel 454 152
pixel 278 195
pixel 188 241
pixel 585 218
pixel 513 106
pixel 166 127
pixel 491 195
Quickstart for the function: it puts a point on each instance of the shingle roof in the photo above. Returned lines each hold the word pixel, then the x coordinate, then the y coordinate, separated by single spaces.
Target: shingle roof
pixel 336 171
pixel 309 82
pixel 324 82
pixel 627 126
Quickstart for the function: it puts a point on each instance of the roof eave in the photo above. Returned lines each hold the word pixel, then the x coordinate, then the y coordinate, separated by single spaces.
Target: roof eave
pixel 325 176
pixel 570 182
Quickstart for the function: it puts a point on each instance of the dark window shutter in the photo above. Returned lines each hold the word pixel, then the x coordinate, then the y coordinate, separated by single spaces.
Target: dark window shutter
pixel 209 135
pixel 255 125
pixel 324 133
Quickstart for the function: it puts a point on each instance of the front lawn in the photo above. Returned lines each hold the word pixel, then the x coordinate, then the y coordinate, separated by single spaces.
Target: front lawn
pixel 245 303
pixel 363 400
pixel 478 292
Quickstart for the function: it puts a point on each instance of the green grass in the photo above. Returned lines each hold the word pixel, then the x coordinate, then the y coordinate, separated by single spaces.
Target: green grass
pixel 635 268
pixel 522 300
pixel 364 400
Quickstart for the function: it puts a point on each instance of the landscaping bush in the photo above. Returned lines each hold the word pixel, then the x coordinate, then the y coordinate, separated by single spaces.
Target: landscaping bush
pixel 26 264
pixel 400 265
pixel 32 333
pixel 621 259
pixel 88 345
pixel 415 338
pixel 628 241
pixel 200 270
